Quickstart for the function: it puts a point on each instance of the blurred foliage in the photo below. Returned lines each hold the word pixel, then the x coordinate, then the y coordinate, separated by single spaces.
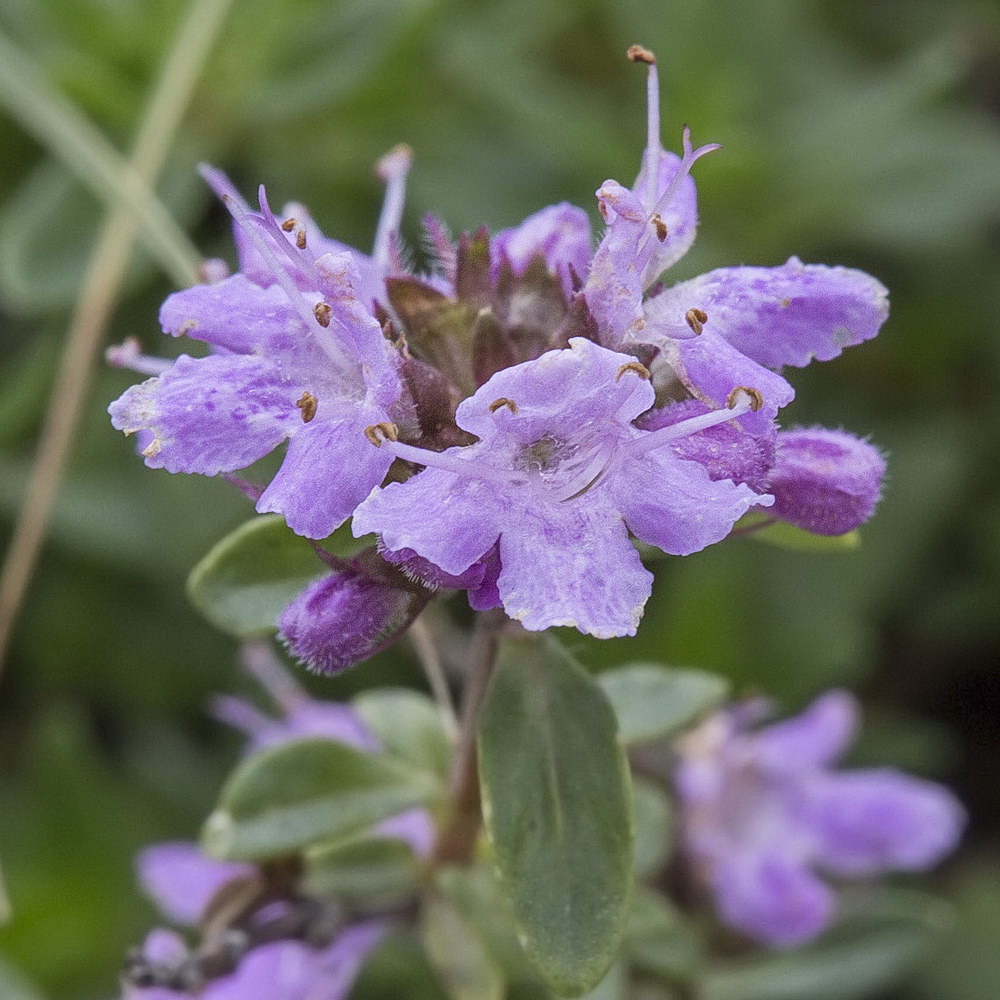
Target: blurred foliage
pixel 856 132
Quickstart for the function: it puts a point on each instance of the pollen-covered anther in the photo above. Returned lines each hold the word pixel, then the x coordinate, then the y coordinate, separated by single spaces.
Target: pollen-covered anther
pixel 636 53
pixel 289 224
pixel 660 226
pixel 499 404
pixel 755 397
pixel 300 239
pixel 307 404
pixel 696 319
pixel 322 311
pixel 382 431
pixel 635 368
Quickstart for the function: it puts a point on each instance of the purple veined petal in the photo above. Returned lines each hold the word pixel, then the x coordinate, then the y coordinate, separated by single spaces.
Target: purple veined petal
pixel 877 820
pixel 209 415
pixel 346 617
pixel 787 315
pixel 711 368
pixel 561 233
pixel 572 564
pixel 675 505
pixel 771 897
pixel 330 467
pixel 413 827
pixel 181 879
pixel 826 481
pixel 237 315
pixel 485 594
pixel 449 519
pixel 572 387
pixel 814 738
pixel 726 451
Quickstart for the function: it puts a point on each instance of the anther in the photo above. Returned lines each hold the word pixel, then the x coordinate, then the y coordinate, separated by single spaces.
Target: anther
pixel 383 431
pixel 637 369
pixel 696 319
pixel 754 395
pixel 289 224
pixel 300 239
pixel 307 404
pixel 499 404
pixel 660 226
pixel 322 312
pixel 636 53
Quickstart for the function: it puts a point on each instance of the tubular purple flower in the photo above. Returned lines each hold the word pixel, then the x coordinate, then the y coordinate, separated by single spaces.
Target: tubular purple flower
pixel 825 481
pixel 765 816
pixel 558 478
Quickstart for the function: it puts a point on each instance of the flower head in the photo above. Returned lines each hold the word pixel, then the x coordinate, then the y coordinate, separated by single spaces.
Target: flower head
pixel 766 817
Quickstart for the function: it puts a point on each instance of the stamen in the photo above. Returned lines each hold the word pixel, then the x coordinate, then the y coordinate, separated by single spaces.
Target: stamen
pixel 300 239
pixel 660 226
pixel 289 224
pixel 307 404
pixel 651 156
pixel 636 368
pixel 696 319
pixel 382 432
pixel 741 400
pixel 499 404
pixel 322 311
pixel 391 168
pixel 755 397
pixel 128 354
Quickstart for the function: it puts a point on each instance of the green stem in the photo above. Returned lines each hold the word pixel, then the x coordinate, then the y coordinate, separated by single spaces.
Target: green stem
pixel 102 283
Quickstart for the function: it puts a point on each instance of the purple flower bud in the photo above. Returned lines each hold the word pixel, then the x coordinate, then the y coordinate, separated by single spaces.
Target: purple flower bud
pixel 765 816
pixel 346 617
pixel 825 481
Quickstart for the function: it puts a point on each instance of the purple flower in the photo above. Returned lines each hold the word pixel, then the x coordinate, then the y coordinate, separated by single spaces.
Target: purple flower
pixel 825 481
pixel 299 356
pixel 765 817
pixel 729 327
pixel 558 477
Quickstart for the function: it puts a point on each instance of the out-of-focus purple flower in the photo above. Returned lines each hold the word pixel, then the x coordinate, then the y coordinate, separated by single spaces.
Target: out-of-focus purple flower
pixel 825 481
pixel 730 327
pixel 299 357
pixel 558 477
pixel 281 970
pixel 765 817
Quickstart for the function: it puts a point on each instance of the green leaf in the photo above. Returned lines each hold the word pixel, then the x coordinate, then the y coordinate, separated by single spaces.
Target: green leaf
pixel 408 725
pixel 457 953
pixel 859 958
pixel 304 792
pixel 372 871
pixel 654 826
pixel 788 536
pixel 653 701
pixel 245 581
pixel 658 940
pixel 558 811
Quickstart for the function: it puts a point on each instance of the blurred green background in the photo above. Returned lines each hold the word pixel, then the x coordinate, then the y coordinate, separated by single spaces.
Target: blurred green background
pixel 856 132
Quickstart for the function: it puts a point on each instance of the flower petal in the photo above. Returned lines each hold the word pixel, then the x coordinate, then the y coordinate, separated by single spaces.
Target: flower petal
pixel 771 897
pixel 675 505
pixel 785 315
pixel 814 738
pixel 448 519
pixel 572 564
pixel 209 415
pixel 330 467
pixel 182 880
pixel 879 820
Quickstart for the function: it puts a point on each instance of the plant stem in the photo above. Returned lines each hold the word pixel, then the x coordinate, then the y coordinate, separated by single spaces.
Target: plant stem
pixel 105 272
pixel 427 654
pixel 456 841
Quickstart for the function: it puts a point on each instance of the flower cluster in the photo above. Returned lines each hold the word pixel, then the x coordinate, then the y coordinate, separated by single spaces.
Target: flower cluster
pixel 510 422
pixel 766 816
pixel 260 935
